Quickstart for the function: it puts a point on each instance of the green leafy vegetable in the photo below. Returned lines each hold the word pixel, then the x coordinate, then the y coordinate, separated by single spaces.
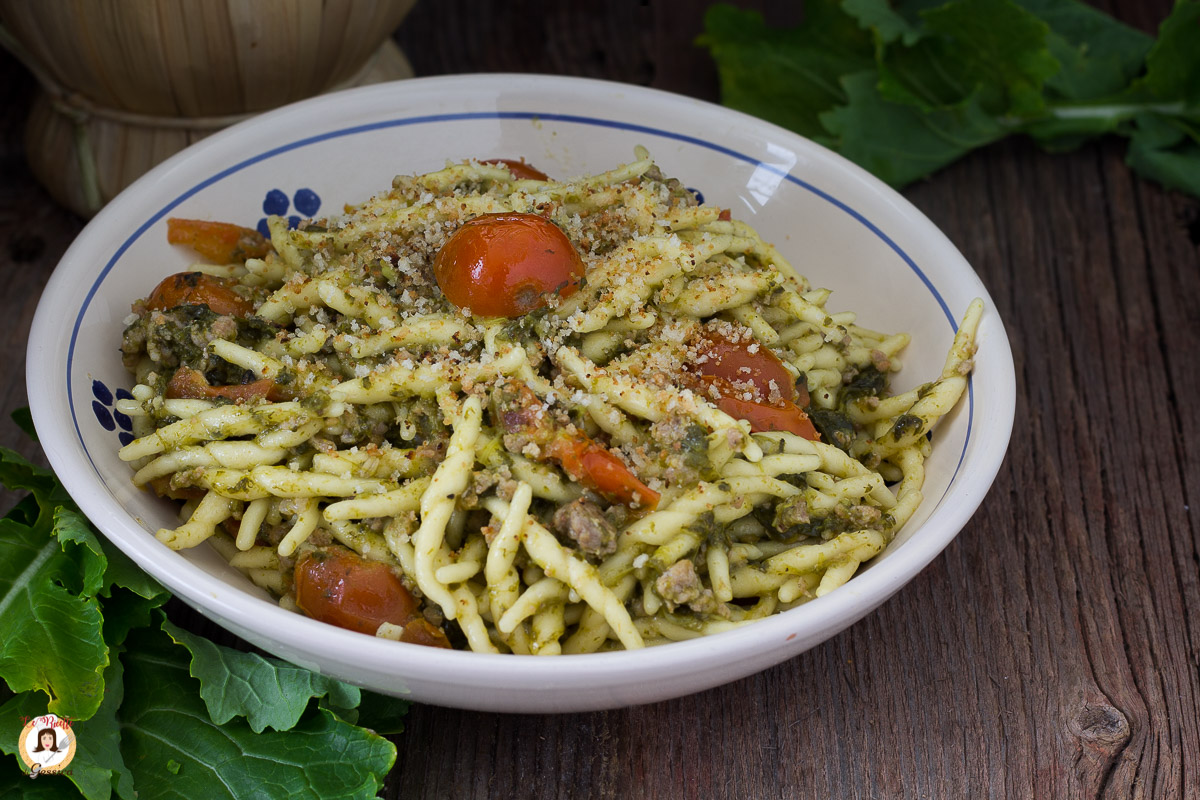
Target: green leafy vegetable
pixel 905 87
pixel 48 608
pixel 157 711
pixel 789 77
pixel 379 712
pixel 266 692
pixel 174 749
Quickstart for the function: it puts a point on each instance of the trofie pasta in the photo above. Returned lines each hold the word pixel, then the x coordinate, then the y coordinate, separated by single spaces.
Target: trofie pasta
pixel 490 410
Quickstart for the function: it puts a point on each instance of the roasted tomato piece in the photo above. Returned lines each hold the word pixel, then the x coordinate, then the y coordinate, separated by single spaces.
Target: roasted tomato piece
pixel 421 631
pixel 751 383
pixel 591 464
pixel 786 416
pixel 338 586
pixel 219 242
pixel 506 265
pixel 520 169
pixel 191 384
pixel 198 289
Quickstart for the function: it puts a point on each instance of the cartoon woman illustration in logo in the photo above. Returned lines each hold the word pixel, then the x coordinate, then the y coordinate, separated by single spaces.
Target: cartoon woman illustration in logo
pixel 47 752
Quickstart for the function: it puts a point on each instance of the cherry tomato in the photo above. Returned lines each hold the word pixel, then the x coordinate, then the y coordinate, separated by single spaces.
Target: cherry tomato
pixel 591 464
pixel 735 369
pixel 506 265
pixel 786 416
pixel 220 242
pixel 519 169
pixel 747 362
pixel 198 289
pixel 338 586
pixel 191 384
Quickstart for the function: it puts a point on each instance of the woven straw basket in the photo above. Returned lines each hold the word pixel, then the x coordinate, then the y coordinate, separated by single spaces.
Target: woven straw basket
pixel 127 83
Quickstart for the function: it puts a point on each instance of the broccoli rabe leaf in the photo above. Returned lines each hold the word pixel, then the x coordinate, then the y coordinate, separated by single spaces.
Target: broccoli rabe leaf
pixel 53 642
pixel 56 570
pixel 379 712
pixel 174 749
pixel 1098 55
pixel 943 77
pixel 266 692
pixel 16 783
pixel 129 595
pixel 991 51
pixel 24 420
pixel 75 611
pixel 920 143
pixel 786 76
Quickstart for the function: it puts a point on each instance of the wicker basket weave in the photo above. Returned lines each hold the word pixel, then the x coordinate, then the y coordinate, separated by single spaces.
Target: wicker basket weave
pixel 127 83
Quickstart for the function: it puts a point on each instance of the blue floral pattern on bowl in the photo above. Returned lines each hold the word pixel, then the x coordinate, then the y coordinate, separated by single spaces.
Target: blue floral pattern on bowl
pixel 276 203
pixel 107 415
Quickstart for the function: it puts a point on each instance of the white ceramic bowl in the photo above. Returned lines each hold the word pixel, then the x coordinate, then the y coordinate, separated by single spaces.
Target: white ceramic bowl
pixel 841 227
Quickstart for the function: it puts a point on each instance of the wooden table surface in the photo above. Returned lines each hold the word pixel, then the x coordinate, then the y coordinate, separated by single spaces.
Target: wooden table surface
pixel 1053 649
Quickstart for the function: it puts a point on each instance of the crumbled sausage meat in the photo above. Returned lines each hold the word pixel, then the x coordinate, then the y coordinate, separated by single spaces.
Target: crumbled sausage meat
pixel 679 584
pixel 585 524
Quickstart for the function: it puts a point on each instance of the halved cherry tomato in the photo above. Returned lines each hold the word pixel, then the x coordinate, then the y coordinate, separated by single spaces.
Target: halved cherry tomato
pixel 198 289
pixel 506 265
pixel 736 363
pixel 735 369
pixel 786 416
pixel 191 384
pixel 220 242
pixel 338 586
pixel 589 463
pixel 519 169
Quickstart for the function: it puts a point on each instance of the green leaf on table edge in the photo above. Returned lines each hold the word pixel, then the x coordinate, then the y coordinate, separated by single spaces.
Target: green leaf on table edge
pixel 267 692
pixel 381 713
pixel 24 420
pixel 173 749
pixel 1098 54
pixel 1166 151
pixel 123 573
pixel 785 76
pixel 15 782
pixel 990 50
pixel 48 610
pixel 890 20
pixel 129 596
pixel 924 142
pixel 17 473
pixel 1173 63
pixel 1058 70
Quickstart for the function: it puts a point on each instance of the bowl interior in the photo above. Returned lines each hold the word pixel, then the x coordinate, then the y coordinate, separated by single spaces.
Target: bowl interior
pixel 838 226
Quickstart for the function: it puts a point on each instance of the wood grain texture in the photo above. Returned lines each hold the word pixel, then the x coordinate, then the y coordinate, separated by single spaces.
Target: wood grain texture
pixel 1052 651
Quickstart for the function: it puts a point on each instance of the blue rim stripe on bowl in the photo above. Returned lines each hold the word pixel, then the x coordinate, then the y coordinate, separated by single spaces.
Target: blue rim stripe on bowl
pixel 529 115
